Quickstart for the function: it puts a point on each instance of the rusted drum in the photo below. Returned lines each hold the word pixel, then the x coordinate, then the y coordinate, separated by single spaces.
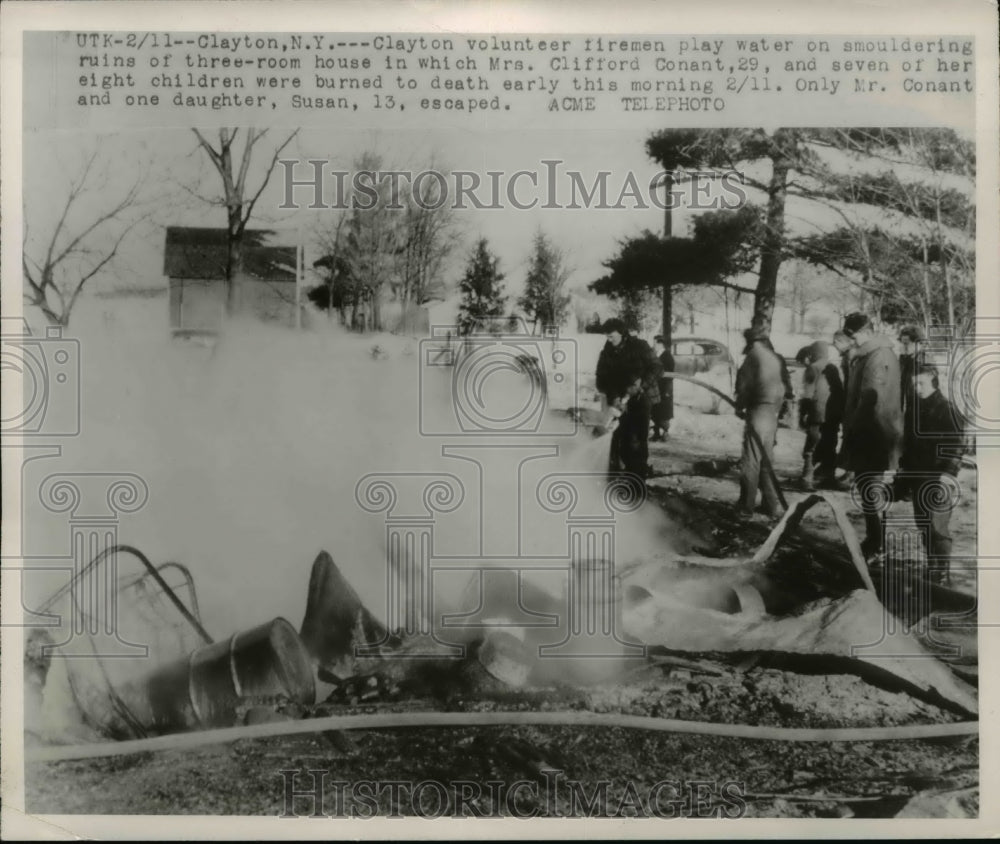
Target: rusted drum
pixel 205 689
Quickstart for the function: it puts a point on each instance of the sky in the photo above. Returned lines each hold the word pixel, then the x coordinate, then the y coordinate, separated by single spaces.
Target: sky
pixel 176 174
pixel 174 169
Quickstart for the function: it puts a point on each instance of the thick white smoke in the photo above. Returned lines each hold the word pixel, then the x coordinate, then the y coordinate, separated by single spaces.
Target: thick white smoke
pixel 252 453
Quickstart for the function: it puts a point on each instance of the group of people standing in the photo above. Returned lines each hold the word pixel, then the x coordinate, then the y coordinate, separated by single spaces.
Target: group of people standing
pixel 899 434
pixel 878 416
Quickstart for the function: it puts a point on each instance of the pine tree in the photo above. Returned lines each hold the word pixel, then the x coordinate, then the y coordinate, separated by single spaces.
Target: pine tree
pixel 483 298
pixel 544 300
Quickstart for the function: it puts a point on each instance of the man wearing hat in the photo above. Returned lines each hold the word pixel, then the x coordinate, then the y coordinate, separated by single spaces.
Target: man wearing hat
pixel 760 393
pixel 873 422
pixel 820 408
pixel 626 375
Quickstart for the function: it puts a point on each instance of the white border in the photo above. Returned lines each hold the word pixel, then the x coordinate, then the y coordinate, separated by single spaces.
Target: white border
pixel 908 17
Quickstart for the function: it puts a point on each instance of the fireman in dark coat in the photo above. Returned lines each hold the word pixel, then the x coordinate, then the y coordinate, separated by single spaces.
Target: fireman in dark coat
pixel 933 460
pixel 626 376
pixel 873 423
pixel 761 390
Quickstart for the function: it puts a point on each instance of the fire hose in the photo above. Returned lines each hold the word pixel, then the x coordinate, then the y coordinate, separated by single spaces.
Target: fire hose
pixel 765 462
pixel 405 720
pixel 572 718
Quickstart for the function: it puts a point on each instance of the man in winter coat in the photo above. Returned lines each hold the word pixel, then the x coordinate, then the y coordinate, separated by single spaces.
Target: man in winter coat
pixel 760 392
pixel 935 450
pixel 821 408
pixel 873 423
pixel 626 375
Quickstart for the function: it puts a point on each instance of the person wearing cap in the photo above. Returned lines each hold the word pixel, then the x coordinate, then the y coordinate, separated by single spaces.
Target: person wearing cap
pixel 873 423
pixel 761 390
pixel 820 409
pixel 626 376
pixel 663 411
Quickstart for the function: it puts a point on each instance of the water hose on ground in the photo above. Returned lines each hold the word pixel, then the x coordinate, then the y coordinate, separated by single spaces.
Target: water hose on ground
pixel 458 720
pixel 765 462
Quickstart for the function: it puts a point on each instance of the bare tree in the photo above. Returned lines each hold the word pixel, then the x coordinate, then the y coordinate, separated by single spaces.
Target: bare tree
pixel 238 197
pixel 390 241
pixel 428 235
pixel 83 243
pixel 372 240
pixel 334 293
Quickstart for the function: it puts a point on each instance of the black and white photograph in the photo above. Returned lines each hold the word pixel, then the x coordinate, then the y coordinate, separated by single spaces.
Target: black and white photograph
pixel 411 427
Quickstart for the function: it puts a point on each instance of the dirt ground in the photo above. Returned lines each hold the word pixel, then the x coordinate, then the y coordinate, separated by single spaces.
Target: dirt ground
pixel 697 485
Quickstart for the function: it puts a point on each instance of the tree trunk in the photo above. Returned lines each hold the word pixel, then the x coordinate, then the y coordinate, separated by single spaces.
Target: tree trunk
pixel 926 271
pixel 945 264
pixel 668 211
pixel 668 296
pixel 773 241
pixel 234 259
pixel 376 311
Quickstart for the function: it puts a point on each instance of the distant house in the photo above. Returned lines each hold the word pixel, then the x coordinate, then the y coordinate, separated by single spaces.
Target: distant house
pixel 195 262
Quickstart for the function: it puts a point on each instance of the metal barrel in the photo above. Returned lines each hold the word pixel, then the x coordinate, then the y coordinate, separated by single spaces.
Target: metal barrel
pixel 205 689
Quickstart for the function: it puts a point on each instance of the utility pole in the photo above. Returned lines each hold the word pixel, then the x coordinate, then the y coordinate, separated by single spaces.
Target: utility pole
pixel 300 249
pixel 668 296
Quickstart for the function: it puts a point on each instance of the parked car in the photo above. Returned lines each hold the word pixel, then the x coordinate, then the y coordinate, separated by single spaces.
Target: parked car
pixel 709 361
pixel 693 355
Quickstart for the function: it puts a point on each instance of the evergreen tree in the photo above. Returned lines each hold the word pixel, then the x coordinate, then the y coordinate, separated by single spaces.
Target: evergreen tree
pixel 920 192
pixel 481 287
pixel 786 150
pixel 544 300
